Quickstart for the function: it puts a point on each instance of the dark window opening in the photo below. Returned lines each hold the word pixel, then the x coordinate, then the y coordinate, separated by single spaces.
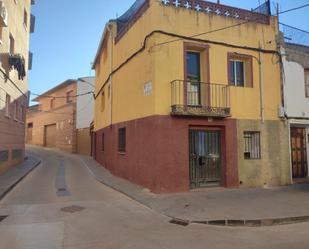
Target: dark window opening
pixel 12 45
pixel 193 79
pixel 122 140
pixel 69 97
pixel 252 145
pixel 25 18
pixel 30 125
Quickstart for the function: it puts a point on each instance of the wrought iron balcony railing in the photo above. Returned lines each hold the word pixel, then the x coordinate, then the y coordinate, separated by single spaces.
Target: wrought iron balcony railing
pixel 192 98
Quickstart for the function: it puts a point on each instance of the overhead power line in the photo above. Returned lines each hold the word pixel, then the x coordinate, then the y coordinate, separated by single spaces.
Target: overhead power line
pixel 61 97
pixel 293 9
pixel 292 27
pixel 204 33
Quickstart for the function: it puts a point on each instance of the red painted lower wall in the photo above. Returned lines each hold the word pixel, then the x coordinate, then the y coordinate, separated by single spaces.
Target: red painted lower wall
pixel 157 151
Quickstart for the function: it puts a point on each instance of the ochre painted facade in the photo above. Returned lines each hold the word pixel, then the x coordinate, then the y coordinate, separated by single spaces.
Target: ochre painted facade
pixel 134 71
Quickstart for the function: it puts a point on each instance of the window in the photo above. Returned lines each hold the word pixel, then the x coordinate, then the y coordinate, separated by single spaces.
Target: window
pixel 240 70
pixel 122 140
pixel 20 112
pixel 196 73
pixel 15 110
pixel 4 156
pixel 69 97
pixel 7 105
pixel 252 145
pixel 193 78
pixel 25 18
pixel 102 101
pixel 102 141
pixel 52 103
pixel 12 45
pixel 307 82
pixel 237 73
pixel 30 125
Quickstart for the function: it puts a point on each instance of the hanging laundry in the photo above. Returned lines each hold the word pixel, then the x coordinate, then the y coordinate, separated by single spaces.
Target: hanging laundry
pixel 17 62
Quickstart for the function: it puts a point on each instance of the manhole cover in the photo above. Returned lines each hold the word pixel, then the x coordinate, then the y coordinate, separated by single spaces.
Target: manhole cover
pixel 2 217
pixel 72 209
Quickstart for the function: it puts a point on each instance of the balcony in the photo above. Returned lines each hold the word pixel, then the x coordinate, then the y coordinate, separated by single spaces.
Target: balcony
pixel 191 98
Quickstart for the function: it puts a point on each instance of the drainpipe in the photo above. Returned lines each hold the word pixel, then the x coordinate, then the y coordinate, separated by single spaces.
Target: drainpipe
pixel 110 29
pixel 261 87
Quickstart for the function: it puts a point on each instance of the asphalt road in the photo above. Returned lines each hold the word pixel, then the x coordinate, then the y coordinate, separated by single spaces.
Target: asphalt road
pixel 98 217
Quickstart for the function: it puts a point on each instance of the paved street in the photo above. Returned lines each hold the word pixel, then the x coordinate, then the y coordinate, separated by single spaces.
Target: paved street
pixel 99 217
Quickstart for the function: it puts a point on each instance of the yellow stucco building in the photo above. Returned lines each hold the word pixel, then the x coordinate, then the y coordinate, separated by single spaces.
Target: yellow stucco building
pixel 187 96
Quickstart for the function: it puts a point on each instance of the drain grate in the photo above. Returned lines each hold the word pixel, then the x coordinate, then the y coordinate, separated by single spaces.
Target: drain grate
pixel 179 222
pixel 2 217
pixel 72 209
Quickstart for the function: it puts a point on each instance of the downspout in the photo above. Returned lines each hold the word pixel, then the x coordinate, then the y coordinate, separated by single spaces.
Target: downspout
pixel 110 29
pixel 261 87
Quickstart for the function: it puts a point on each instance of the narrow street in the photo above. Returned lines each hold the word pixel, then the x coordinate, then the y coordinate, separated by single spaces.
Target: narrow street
pixel 99 217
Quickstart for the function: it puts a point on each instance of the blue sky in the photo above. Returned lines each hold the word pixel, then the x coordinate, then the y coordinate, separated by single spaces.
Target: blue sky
pixel 68 33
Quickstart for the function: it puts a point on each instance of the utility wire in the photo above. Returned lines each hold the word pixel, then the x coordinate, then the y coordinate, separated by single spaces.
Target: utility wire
pixel 204 33
pixel 293 9
pixel 292 27
pixel 61 97
pixel 179 39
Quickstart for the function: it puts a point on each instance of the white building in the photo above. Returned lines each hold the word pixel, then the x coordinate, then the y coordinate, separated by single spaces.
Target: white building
pixel 84 113
pixel 296 105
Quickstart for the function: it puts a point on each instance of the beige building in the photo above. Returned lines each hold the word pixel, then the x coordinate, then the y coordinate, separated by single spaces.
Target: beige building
pixel 16 23
pixel 62 117
pixel 52 122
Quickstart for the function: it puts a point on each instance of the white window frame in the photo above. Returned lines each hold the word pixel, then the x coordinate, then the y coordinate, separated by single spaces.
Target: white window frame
pixel 235 73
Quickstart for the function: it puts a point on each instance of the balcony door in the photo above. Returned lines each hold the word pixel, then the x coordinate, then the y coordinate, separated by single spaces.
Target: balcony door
pixel 193 79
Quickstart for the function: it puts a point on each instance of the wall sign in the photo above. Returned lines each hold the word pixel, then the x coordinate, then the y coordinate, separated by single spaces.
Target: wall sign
pixel 148 89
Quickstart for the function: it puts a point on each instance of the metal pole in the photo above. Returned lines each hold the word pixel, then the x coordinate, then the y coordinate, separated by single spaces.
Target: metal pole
pixel 261 87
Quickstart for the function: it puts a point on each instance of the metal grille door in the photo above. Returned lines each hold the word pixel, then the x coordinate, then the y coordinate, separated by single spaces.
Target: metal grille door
pixel 205 158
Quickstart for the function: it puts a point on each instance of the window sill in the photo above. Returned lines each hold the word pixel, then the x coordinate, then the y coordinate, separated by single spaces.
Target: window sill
pixel 122 153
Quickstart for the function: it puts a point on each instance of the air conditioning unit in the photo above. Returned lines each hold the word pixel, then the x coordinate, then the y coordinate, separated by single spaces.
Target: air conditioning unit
pixel 3 15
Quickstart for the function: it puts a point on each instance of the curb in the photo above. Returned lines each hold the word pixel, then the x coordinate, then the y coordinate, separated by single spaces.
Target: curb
pixel 255 222
pixel 224 222
pixel 9 189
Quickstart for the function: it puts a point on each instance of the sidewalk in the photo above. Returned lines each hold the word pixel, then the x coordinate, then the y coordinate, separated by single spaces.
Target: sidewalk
pixel 250 207
pixel 14 175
